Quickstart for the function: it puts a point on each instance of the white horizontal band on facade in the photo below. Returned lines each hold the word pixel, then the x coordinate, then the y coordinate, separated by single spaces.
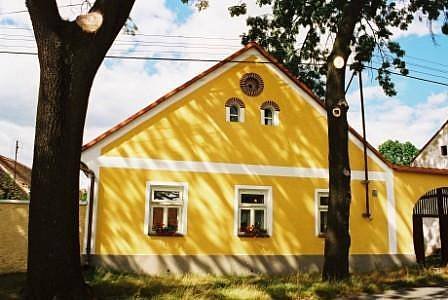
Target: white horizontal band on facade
pixel 226 168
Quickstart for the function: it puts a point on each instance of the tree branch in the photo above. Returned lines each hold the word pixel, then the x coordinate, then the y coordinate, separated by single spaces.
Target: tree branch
pixel 113 15
pixel 44 16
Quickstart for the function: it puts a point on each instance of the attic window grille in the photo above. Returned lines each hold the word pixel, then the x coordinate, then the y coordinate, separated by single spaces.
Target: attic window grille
pixel 252 84
pixel 444 150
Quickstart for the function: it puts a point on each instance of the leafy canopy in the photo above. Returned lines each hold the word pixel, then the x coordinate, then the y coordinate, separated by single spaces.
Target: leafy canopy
pixel 300 34
pixel 398 153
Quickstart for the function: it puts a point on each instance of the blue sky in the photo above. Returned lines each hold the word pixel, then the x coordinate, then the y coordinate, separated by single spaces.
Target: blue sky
pixel 419 51
pixel 182 11
pixel 124 86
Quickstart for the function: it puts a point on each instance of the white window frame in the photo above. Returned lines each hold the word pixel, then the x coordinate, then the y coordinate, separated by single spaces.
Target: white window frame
pixel 265 190
pixel 319 208
pixel 241 114
pixel 152 186
pixel 275 116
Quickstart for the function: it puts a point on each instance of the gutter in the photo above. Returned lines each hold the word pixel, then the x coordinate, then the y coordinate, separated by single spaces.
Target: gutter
pixel 89 173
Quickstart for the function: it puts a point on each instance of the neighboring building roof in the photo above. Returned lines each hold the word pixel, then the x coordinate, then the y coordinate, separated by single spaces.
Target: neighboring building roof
pixel 288 73
pixel 10 189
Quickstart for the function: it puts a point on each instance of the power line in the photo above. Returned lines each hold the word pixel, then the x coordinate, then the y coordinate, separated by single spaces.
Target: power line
pixel 25 10
pixel 161 58
pixel 189 37
pixel 444 71
pixel 157 58
pixel 158 35
pixel 425 73
pixel 27 37
pixel 146 43
pixel 428 74
pixel 426 60
pixel 409 76
pixel 218 60
pixel 428 68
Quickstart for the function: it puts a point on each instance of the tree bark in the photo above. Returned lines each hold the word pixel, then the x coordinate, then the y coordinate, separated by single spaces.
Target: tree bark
pixel 337 241
pixel 69 59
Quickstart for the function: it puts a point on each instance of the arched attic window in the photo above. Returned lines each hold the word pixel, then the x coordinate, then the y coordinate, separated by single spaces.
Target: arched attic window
pixel 270 113
pixel 235 110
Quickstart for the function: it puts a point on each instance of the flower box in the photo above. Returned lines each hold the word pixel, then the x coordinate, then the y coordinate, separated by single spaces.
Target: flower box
pixel 161 230
pixel 252 231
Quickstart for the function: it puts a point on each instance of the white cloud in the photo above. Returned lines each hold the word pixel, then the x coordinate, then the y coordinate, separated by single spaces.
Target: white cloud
pixel 9 133
pixel 391 118
pixel 417 28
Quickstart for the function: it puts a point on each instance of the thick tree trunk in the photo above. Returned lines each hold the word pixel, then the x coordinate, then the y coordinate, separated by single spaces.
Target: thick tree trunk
pixel 69 59
pixel 54 267
pixel 337 242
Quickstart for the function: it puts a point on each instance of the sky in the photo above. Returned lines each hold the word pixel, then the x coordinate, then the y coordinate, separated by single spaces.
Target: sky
pixel 167 28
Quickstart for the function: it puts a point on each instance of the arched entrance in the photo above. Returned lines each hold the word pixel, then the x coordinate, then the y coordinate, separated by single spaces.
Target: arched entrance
pixel 433 204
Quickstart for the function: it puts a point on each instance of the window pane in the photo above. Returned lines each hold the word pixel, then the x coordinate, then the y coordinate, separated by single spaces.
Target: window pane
pixel 259 219
pixel 323 200
pixel 323 221
pixel 268 113
pixel 157 217
pixel 234 114
pixel 166 195
pixel 244 219
pixel 172 218
pixel 252 199
pixel 234 110
pixel 444 150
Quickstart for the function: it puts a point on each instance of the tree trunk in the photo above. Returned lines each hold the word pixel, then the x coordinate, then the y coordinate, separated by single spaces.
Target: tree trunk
pixel 69 59
pixel 337 241
pixel 54 267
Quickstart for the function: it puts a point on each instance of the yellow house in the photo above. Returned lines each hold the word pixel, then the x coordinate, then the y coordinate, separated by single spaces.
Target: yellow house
pixel 228 174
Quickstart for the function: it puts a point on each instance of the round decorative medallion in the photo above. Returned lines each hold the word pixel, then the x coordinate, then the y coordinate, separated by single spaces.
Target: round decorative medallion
pixel 252 84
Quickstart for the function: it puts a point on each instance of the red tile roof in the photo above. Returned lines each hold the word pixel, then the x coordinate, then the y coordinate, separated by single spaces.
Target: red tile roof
pixel 290 75
pixel 20 188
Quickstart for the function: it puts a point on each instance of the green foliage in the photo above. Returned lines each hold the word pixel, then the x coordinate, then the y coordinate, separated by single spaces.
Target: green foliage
pixel 398 153
pixel 83 195
pixel 300 34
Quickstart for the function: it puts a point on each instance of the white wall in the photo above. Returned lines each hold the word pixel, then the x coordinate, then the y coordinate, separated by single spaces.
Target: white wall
pixel 431 156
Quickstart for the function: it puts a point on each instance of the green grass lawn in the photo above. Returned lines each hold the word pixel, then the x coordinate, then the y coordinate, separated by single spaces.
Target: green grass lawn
pixel 112 285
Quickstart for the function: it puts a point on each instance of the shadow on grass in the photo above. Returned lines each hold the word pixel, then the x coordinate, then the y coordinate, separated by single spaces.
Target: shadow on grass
pixel 113 285
pixel 11 285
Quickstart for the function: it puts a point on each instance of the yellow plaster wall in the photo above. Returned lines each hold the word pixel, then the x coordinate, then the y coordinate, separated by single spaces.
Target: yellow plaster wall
pixel 409 187
pixel 194 129
pixel 120 227
pixel 14 235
